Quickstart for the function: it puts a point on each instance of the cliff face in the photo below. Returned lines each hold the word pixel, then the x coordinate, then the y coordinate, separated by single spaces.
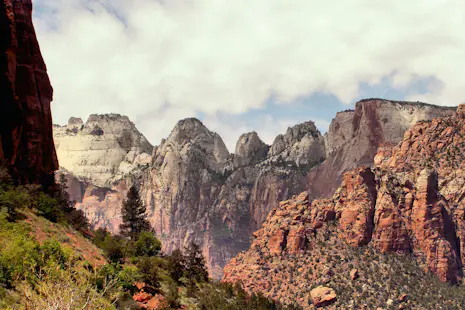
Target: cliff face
pixel 354 137
pixel 102 149
pixel 196 191
pixel 410 203
pixel 193 188
pixel 26 140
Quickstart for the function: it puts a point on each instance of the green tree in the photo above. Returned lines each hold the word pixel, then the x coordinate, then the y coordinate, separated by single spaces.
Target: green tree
pixel 113 248
pixel 195 264
pixel 176 265
pixel 133 214
pixel 147 245
pixel 73 216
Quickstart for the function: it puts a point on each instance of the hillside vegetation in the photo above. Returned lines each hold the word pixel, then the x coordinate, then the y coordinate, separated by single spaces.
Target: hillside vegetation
pixel 51 260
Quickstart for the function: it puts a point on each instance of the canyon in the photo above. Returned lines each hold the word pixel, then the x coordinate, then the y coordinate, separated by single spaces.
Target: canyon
pixel 196 191
pixel 410 202
pixel 370 214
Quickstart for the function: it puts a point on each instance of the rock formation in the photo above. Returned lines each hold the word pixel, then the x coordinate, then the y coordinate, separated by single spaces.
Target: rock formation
pixel 410 203
pixel 354 137
pixel 26 140
pixel 196 191
pixel 102 149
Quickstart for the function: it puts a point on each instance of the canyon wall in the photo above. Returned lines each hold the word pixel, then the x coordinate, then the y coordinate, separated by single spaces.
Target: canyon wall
pixel 411 202
pixel 26 139
pixel 196 191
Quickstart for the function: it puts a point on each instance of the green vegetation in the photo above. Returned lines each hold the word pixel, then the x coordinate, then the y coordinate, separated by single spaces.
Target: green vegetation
pixel 133 215
pixel 45 260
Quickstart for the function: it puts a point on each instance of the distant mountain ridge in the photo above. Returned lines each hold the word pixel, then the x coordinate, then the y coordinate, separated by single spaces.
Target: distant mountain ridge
pixel 195 190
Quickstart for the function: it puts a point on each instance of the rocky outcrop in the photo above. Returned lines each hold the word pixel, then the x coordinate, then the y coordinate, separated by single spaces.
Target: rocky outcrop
pixel 196 191
pixel 103 149
pixel 323 296
pixel 354 137
pixel 26 141
pixel 409 203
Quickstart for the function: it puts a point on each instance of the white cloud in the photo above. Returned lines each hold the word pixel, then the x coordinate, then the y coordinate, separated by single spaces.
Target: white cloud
pixel 179 57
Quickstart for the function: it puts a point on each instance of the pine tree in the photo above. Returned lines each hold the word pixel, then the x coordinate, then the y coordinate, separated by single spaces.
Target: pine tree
pixel 195 264
pixel 73 216
pixel 133 215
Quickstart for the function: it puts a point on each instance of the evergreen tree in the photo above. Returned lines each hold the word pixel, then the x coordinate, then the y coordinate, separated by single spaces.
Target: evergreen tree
pixel 195 264
pixel 133 215
pixel 73 216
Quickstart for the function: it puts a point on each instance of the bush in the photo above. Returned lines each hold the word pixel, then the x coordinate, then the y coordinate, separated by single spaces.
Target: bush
pixel 113 248
pixel 14 198
pixel 149 268
pixel 6 276
pixel 176 265
pixel 78 220
pixel 147 245
pixel 51 251
pixel 48 208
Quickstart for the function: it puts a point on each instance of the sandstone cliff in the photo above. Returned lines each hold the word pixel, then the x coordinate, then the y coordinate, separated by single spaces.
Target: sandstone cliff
pixel 354 137
pixel 196 191
pixel 103 149
pixel 26 141
pixel 409 203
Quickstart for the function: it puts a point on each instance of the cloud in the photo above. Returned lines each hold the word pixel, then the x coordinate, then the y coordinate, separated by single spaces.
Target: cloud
pixel 156 61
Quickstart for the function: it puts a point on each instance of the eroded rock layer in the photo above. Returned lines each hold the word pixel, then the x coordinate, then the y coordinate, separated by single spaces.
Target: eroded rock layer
pixel 410 203
pixel 195 190
pixel 26 140
pixel 354 136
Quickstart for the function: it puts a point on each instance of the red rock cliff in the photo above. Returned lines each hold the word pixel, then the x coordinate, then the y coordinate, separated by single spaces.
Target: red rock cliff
pixel 410 203
pixel 26 140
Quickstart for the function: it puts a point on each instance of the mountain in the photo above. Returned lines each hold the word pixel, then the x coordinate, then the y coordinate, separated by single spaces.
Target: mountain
pixel 354 136
pixel 102 149
pixel 391 225
pixel 26 140
pixel 195 190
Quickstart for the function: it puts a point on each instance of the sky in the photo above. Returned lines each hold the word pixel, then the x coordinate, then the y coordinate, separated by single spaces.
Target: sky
pixel 247 65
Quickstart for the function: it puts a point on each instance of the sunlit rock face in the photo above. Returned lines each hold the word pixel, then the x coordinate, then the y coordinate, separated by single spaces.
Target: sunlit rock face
pixel 101 149
pixel 195 190
pixel 354 137
pixel 410 202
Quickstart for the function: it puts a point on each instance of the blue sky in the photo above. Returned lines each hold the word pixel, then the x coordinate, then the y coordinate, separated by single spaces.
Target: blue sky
pixel 246 65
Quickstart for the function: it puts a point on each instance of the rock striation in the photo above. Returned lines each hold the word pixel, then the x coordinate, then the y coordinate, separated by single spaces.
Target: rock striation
pixel 195 190
pixel 354 137
pixel 26 140
pixel 103 149
pixel 411 202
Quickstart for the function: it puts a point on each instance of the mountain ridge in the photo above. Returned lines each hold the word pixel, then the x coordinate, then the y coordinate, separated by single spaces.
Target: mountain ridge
pixel 196 190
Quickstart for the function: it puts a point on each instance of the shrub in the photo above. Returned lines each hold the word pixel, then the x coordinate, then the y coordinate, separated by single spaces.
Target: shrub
pixel 51 251
pixel 148 267
pixel 12 199
pixel 113 248
pixel 147 245
pixel 77 220
pixel 48 208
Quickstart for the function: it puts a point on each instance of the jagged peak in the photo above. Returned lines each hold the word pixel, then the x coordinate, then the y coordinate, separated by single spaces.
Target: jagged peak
pixel 461 110
pixel 191 132
pixel 250 149
pixel 247 139
pixel 191 128
pixel 294 134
